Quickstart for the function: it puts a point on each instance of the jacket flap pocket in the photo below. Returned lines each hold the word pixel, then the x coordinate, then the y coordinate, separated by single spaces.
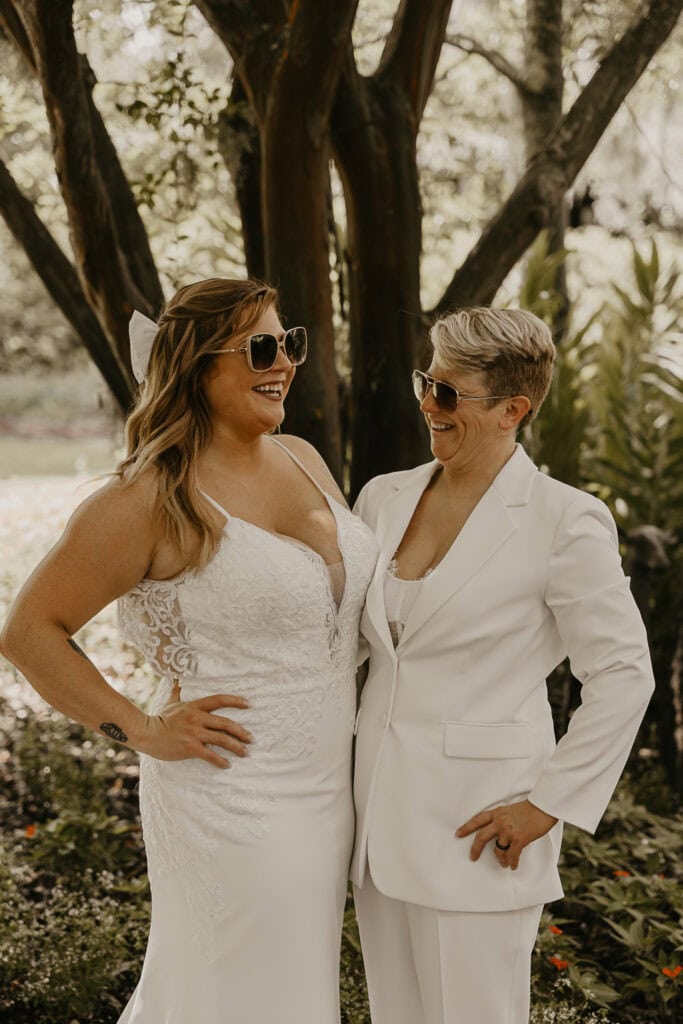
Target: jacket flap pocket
pixel 505 740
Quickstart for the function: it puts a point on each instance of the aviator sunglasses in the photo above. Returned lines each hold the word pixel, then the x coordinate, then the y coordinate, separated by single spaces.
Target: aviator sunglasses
pixel 262 350
pixel 445 395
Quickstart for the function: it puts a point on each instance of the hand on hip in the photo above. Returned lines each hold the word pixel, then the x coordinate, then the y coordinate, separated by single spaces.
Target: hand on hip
pixel 511 827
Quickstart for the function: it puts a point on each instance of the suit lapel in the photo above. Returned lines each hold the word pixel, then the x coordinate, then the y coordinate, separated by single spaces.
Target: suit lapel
pixel 488 527
pixel 392 522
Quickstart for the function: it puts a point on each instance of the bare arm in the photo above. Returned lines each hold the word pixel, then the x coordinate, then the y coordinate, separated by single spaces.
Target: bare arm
pixel 106 548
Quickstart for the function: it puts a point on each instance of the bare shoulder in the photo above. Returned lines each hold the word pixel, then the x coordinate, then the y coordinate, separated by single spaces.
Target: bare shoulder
pixel 105 549
pixel 118 519
pixel 314 463
pixel 119 503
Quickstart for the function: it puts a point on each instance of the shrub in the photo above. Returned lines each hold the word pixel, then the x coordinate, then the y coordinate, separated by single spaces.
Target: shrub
pixel 617 938
pixel 75 899
pixel 66 953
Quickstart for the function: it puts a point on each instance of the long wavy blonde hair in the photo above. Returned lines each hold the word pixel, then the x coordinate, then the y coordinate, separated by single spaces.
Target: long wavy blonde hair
pixel 170 424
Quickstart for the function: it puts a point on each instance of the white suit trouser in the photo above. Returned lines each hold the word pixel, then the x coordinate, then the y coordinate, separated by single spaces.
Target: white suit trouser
pixel 427 966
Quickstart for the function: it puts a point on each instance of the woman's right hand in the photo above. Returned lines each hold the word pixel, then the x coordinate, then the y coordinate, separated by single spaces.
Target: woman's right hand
pixel 183 728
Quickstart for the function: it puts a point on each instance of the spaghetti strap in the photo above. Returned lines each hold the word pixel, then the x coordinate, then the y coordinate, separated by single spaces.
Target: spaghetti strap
pixel 212 501
pixel 301 466
pixel 303 469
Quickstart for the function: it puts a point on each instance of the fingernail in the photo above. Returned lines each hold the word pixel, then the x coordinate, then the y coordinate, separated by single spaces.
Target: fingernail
pixel 249 737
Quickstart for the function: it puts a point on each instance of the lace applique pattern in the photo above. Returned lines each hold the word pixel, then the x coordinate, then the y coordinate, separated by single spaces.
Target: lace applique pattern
pixel 149 617
pixel 392 569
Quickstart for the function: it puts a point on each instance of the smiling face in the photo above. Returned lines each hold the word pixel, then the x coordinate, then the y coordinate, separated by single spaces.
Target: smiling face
pixel 474 432
pixel 243 403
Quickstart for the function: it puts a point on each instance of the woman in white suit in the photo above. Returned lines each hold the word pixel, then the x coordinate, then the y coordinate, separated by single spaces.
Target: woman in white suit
pixel 490 573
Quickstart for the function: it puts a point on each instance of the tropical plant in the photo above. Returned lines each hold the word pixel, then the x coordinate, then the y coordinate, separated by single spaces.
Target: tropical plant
pixel 613 424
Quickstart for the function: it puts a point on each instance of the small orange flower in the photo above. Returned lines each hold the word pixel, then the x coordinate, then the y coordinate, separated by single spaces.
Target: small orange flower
pixel 31 830
pixel 621 874
pixel 672 972
pixel 559 964
pixel 554 929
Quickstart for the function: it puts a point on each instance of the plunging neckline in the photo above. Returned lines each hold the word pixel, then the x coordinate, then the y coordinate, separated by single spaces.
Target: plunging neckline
pixel 294 542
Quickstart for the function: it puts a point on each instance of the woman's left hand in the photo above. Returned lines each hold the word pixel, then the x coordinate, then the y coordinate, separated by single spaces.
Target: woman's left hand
pixel 514 824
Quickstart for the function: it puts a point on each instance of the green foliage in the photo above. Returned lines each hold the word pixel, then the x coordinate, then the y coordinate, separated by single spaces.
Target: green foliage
pixel 621 920
pixel 352 987
pixel 72 934
pixel 559 433
pixel 637 396
pixel 74 896
pixel 613 424
pixel 67 952
pixel 567 1015
pixel 613 420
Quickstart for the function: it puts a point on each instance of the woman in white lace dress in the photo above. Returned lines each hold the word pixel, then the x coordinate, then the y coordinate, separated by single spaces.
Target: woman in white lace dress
pixel 240 575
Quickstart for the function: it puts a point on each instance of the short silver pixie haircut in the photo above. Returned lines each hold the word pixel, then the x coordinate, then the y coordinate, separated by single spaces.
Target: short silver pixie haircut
pixel 512 350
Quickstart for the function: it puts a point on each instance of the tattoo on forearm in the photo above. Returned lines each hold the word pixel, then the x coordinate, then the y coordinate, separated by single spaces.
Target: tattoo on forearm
pixel 108 728
pixel 111 729
pixel 79 650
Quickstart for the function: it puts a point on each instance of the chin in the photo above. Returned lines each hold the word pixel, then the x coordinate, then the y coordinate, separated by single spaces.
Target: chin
pixel 272 423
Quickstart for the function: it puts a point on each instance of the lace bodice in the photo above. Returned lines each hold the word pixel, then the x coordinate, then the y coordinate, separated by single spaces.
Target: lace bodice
pixel 260 621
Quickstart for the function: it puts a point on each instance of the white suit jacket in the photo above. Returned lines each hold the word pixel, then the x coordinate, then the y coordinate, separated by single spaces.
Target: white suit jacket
pixel 456 720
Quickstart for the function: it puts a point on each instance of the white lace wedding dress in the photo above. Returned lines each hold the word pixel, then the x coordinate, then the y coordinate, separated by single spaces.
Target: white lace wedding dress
pixel 248 865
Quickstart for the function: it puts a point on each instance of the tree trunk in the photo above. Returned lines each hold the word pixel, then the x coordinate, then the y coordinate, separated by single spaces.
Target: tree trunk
pixel 291 86
pixel 61 281
pixel 375 122
pixel 387 333
pixel 240 146
pixel 298 264
pixel 541 113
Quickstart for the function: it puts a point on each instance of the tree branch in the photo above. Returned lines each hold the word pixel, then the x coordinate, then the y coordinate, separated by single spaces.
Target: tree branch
pixel 253 33
pixel 133 239
pixel 551 172
pixel 412 50
pixel 495 59
pixel 105 275
pixel 240 146
pixel 11 25
pixel 61 281
pixel 131 233
pixel 318 36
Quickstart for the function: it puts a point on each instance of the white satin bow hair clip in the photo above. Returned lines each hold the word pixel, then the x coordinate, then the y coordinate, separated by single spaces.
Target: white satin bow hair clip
pixel 142 332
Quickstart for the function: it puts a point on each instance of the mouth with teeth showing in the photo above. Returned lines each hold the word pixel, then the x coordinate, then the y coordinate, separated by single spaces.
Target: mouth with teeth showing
pixel 438 428
pixel 273 392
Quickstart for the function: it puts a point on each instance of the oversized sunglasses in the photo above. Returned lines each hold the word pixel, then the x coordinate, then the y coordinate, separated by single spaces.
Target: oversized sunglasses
pixel 445 395
pixel 262 350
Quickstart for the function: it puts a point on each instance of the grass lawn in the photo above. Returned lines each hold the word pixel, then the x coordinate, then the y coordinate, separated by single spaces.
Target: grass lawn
pixel 29 456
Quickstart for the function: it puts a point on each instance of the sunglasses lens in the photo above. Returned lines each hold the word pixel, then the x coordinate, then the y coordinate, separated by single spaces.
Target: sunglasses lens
pixel 419 386
pixel 446 397
pixel 263 351
pixel 296 345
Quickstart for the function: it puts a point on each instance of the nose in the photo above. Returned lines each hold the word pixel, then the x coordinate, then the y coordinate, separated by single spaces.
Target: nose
pixel 283 361
pixel 428 403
